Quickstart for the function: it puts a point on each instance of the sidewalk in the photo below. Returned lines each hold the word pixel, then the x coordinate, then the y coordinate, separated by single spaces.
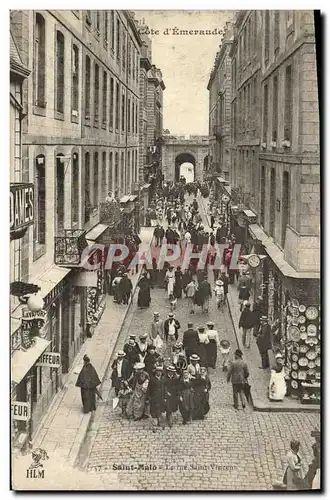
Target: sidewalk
pixel 64 426
pixel 259 379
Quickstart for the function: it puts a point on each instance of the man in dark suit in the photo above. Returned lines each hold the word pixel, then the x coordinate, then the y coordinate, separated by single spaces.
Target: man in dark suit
pixel 121 370
pixel 190 341
pixel 238 374
pixel 263 341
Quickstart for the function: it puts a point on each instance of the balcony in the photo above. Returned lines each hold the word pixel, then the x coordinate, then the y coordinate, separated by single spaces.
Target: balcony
pixel 218 131
pixel 110 213
pixel 69 247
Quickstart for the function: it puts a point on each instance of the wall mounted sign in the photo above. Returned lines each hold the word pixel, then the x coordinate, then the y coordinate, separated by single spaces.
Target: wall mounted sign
pixel 32 322
pixel 50 359
pixel 20 411
pixel 21 206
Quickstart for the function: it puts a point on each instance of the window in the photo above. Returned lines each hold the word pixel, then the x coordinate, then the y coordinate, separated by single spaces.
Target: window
pixel 111 102
pixel 285 205
pixel 265 113
pixel 88 89
pixel 137 67
pixel 128 116
pixel 133 62
pixel 110 171
pixel 276 30
pixel 75 189
pixel 136 168
pixel 104 175
pixel 96 93
pixel 117 106
pixel 136 118
pixel 255 32
pixel 40 202
pixel 275 109
pixel 112 30
pixel 128 178
pixel 123 113
pixel 75 81
pixel 129 54
pixel 98 22
pixel 87 187
pixel 262 195
pixel 118 39
pixel 59 72
pixel 106 27
pixel 145 90
pixel 59 197
pixel 39 62
pixel 122 173
pixel 96 181
pixel 133 117
pixel 267 34
pixel 272 201
pixel 105 98
pixel 124 49
pixel 117 187
pixel 288 104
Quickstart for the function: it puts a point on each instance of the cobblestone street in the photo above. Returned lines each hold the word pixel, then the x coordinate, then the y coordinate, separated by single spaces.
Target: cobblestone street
pixel 230 450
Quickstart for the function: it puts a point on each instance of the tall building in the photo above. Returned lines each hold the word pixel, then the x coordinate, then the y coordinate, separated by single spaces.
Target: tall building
pixel 79 111
pixel 274 188
pixel 220 92
pixel 151 120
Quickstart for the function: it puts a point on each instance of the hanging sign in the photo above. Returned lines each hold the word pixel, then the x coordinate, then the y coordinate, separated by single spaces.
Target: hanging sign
pixel 20 411
pixel 50 359
pixel 21 205
pixel 32 322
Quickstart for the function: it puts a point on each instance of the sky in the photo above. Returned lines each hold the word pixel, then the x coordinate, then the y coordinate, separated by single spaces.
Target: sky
pixel 186 62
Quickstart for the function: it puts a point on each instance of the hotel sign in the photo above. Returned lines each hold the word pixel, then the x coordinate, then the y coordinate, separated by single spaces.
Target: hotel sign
pixel 20 411
pixel 21 207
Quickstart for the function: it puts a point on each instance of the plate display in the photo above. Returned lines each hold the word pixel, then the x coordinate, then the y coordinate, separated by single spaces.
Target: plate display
pixel 311 330
pixel 293 333
pixel 295 313
pixel 302 375
pixel 295 366
pixel 294 375
pixel 311 313
pixel 311 365
pixel 303 362
pixel 302 328
pixel 294 358
pixel 303 349
pixel 295 303
pixel 303 336
pixel 318 361
pixel 294 384
pixel 301 320
pixel 311 355
pixel 302 308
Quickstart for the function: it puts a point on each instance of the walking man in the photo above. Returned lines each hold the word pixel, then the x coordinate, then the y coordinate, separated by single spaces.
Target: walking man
pixel 246 322
pixel 238 374
pixel 263 342
pixel 190 292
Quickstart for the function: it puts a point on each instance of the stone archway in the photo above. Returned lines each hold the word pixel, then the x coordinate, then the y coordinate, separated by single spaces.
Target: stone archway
pixel 184 158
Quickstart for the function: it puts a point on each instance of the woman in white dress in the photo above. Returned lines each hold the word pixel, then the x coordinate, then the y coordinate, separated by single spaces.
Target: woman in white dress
pixel 277 384
pixel 170 280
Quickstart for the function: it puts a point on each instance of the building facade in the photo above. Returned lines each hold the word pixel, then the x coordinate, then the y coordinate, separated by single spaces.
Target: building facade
pixel 80 140
pixel 274 188
pixel 220 92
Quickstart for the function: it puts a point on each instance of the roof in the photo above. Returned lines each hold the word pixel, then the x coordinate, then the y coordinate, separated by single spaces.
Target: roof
pixel 16 63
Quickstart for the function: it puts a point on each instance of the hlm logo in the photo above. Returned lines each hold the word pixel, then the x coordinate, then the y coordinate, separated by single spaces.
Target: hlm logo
pixel 34 471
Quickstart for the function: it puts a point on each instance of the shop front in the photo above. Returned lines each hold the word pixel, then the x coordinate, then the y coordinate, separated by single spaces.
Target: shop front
pixel 291 300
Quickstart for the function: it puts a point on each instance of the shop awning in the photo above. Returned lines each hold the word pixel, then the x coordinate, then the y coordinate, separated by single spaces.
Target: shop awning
pixel 95 233
pixel 277 256
pixel 222 180
pixel 22 361
pixel 125 198
pixel 50 278
pixel 249 213
pixel 133 197
pixel 146 186
pixel 126 210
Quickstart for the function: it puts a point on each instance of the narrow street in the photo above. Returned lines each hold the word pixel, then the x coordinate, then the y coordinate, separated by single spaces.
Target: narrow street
pixel 211 454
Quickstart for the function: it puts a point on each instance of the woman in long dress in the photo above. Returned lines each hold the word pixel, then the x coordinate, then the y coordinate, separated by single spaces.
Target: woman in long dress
pixel 88 380
pixel 293 474
pixel 203 341
pixel 212 346
pixel 144 298
pixel 170 280
pixel 277 384
pixel 136 405
pixel 201 387
pixel 178 283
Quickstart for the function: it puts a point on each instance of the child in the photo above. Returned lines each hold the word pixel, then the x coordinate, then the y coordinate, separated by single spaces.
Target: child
pixel 185 398
pixel 219 293
pixel 124 395
pixel 225 354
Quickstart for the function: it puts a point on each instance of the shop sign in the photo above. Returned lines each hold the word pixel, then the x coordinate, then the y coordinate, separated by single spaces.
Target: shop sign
pixel 32 322
pixel 50 359
pixel 20 411
pixel 21 205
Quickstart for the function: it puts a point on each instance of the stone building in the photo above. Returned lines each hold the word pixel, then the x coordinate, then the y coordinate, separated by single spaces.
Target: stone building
pixel 220 91
pixel 274 188
pixel 80 139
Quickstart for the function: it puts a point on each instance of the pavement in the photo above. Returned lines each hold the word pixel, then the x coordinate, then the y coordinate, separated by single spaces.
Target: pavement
pixel 258 379
pixel 64 425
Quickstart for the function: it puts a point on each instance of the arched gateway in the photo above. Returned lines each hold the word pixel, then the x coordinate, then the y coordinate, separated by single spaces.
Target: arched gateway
pixel 178 150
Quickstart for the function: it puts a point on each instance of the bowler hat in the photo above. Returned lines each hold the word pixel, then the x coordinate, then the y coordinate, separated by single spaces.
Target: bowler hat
pixel 171 368
pixel 171 315
pixel 263 318
pixel 194 357
pixel 120 354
